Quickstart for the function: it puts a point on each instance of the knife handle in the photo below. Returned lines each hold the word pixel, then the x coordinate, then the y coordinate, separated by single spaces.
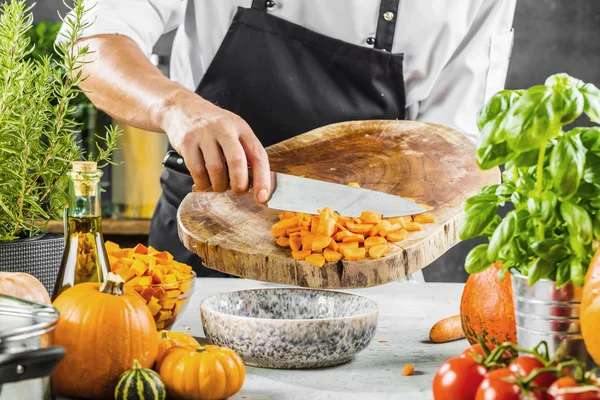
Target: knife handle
pixel 174 162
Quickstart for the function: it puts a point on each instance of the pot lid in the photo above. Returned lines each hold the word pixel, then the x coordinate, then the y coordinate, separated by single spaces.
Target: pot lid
pixel 22 319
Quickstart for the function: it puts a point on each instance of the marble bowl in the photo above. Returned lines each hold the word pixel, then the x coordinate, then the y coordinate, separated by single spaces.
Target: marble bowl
pixel 290 328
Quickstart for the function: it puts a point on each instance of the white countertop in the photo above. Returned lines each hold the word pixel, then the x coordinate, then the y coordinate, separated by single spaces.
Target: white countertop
pixel 407 312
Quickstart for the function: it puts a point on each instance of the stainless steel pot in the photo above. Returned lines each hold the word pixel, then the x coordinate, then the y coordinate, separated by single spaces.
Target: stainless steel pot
pixel 27 356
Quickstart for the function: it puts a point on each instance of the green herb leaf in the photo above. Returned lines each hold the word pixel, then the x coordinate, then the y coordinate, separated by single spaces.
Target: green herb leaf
pixel 506 189
pixel 588 191
pixel 591 172
pixel 490 199
pixel 476 220
pixel 550 249
pixel 491 228
pixel 540 268
pixel 566 165
pixel 544 207
pixel 498 104
pixel 493 155
pixel 563 273
pixel 579 225
pixel 590 138
pixel 502 235
pixel 577 272
pixel 568 104
pixel 527 159
pixel 563 81
pixel 477 260
pixel 591 95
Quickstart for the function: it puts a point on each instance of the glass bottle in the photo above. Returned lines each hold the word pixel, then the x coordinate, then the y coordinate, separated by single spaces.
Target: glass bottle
pixel 85 258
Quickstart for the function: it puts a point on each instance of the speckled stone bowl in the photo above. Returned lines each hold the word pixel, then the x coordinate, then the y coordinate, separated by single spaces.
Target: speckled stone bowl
pixel 290 328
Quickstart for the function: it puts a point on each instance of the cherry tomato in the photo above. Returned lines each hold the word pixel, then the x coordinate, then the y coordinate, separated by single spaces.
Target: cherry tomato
pixel 525 365
pixel 468 352
pixel 458 378
pixel 567 388
pixel 495 386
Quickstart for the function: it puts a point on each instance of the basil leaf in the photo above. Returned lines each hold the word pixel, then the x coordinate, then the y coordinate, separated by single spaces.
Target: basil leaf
pixel 562 81
pixel 476 220
pixel 591 171
pixel 544 207
pixel 568 103
pixel 477 260
pixel 550 249
pixel 577 272
pixel 532 121
pixel 481 198
pixel 498 104
pixel 566 165
pixel 590 137
pixel 506 189
pixel 518 200
pixel 493 155
pixel 579 226
pixel 591 96
pixel 596 224
pixel 502 235
pixel 563 273
pixel 595 203
pixel 490 189
pixel 540 269
pixel 491 228
pixel 527 159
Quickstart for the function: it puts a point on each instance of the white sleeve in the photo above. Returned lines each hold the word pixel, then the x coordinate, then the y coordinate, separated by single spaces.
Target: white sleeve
pixel 143 21
pixel 475 72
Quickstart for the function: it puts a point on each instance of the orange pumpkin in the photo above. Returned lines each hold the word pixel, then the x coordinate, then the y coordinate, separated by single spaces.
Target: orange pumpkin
pixel 168 339
pixel 208 373
pixel 103 328
pixel 23 286
pixel 590 308
pixel 487 308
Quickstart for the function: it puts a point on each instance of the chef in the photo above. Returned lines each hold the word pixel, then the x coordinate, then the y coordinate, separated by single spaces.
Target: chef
pixel 246 74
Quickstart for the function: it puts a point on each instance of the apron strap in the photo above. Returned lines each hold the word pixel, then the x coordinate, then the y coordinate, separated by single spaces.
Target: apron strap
pixel 260 5
pixel 386 24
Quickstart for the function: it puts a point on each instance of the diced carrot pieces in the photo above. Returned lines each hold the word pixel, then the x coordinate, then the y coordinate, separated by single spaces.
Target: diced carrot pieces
pixel 288 231
pixel 413 227
pixel 375 230
pixel 281 227
pixel 327 224
pixel 371 217
pixel 409 369
pixel 341 235
pixel 359 228
pixel 389 229
pixel 307 241
pixel 336 229
pixel 295 234
pixel 356 220
pixel 283 241
pixel 331 255
pixel 400 220
pixel 319 243
pixel 425 218
pixel 399 236
pixel 286 215
pixel 355 184
pixel 343 220
pixel 301 255
pixel 316 259
pixel 340 226
pixel 354 238
pixel 354 254
pixel 378 251
pixel 295 243
pixel 314 224
pixel 351 245
pixel 332 245
pixel 374 241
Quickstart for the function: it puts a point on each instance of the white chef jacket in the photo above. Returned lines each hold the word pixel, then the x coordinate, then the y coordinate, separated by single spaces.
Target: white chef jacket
pixel 456 52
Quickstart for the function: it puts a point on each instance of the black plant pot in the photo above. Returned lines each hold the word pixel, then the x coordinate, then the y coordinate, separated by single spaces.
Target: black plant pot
pixel 39 256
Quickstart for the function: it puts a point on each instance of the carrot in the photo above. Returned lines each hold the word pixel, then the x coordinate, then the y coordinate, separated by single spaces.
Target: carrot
pixel 447 330
pixel 331 256
pixel 375 230
pixel 286 215
pixel 371 217
pixel 356 220
pixel 398 236
pixel 341 235
pixel 327 224
pixel 319 243
pixel 389 228
pixel 400 220
pixel 374 241
pixel 332 245
pixel 353 254
pixel 425 218
pixel 300 255
pixel 293 230
pixel 295 243
pixel 340 226
pixel 413 226
pixel 281 227
pixel 283 241
pixel 359 228
pixel 314 224
pixel 378 251
pixel 408 369
pixel 316 259
pixel 353 238
pixel 307 241
pixel 351 245
pixel 355 184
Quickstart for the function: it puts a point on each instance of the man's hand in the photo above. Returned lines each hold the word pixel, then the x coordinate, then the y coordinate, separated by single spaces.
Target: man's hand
pixel 217 146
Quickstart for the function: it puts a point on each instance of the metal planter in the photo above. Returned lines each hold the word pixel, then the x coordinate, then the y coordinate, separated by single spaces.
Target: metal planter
pixel 545 313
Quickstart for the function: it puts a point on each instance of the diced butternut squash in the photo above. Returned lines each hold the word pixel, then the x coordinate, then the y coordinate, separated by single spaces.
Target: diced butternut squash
pixel 179 306
pixel 140 249
pixel 307 241
pixel 371 217
pixel 154 306
pixel 283 241
pixel 133 281
pixel 173 293
pixel 164 315
pixel 413 227
pixel 374 241
pixel 111 246
pixel 125 272
pixel 354 254
pixel 148 293
pixel 354 238
pixel 168 304
pixel 161 293
pixel 398 236
pixel 425 218
pixel 378 251
pixel 301 255
pixel 316 259
pixel 331 256
pixel 128 261
pixel 319 243
pixel 139 267
pixel 145 281
pixel 123 253
pixel 114 266
pixel 295 243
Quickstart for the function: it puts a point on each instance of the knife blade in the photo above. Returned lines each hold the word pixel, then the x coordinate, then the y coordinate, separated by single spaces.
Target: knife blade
pixel 299 194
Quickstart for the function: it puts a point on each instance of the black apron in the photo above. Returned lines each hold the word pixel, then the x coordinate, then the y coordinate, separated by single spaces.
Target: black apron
pixel 284 80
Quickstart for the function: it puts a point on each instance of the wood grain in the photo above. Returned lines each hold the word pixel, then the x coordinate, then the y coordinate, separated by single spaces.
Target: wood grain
pixel 430 163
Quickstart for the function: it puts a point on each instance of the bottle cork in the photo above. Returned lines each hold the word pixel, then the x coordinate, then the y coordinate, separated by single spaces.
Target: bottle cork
pixel 84 166
pixel 83 184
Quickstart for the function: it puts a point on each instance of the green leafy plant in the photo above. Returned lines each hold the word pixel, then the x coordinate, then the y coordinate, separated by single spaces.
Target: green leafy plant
pixel 37 128
pixel 552 178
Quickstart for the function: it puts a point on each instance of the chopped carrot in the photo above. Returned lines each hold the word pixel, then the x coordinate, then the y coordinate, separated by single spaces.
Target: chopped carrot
pixel 307 241
pixel 378 251
pixel 283 241
pixel 355 184
pixel 351 245
pixel 316 259
pixel 295 243
pixel 359 228
pixel 299 233
pixel 371 217
pixel 327 224
pixel 400 220
pixel 389 229
pixel 314 224
pixel 286 215
pixel 301 255
pixel 281 227
pixel 340 226
pixel 289 231
pixel 331 256
pixel 341 235
pixel 425 218
pixel 356 220
pixel 354 238
pixel 332 245
pixel 319 243
pixel 409 369
pixel 354 254
pixel 413 227
pixel 398 236
pixel 374 241
pixel 375 230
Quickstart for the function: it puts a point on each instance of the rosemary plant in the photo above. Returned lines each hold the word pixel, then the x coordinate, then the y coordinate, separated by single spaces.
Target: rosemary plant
pixel 37 128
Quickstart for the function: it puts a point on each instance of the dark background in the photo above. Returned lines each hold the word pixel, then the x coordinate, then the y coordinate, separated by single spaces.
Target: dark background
pixel 550 36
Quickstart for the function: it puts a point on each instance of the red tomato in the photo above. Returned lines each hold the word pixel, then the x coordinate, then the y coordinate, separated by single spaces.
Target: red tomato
pixel 457 378
pixel 495 386
pixel 567 388
pixel 468 352
pixel 524 366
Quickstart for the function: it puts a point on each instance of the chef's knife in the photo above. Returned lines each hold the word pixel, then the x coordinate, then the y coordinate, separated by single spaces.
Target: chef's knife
pixel 294 193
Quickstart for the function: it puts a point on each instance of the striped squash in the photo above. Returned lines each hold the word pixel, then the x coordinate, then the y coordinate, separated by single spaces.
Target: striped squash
pixel 140 384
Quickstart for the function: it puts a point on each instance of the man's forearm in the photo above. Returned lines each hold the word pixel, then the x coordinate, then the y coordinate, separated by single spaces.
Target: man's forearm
pixel 122 82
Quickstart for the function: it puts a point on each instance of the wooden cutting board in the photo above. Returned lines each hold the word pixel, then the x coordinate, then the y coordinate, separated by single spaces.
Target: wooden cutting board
pixel 430 163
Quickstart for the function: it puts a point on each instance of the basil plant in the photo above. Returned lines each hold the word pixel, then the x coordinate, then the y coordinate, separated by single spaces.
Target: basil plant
pixel 552 178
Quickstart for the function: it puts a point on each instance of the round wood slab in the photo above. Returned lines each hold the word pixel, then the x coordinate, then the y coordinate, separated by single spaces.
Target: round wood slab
pixel 433 164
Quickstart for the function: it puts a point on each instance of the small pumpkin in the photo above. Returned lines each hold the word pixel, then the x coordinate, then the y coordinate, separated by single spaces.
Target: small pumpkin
pixel 140 383
pixel 590 308
pixel 208 373
pixel 169 339
pixel 487 307
pixel 104 328
pixel 23 286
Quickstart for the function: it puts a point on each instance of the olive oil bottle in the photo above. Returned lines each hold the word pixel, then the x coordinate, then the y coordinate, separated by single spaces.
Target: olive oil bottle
pixel 85 258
